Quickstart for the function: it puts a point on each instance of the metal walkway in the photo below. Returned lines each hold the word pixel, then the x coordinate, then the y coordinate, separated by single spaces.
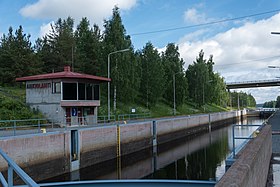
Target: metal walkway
pixel 253 84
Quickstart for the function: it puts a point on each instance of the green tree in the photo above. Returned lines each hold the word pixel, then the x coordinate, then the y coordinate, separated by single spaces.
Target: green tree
pixel 219 94
pixel 122 63
pixel 242 100
pixel 198 80
pixel 88 51
pixel 56 49
pixel 152 76
pixel 174 71
pixel 269 104
pixel 17 57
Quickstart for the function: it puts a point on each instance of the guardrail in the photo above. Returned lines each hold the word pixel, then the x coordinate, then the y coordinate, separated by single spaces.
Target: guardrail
pixel 124 117
pixel 13 127
pixel 106 119
pixel 13 167
pixel 246 138
pixel 231 158
pixel 35 126
pixel 249 82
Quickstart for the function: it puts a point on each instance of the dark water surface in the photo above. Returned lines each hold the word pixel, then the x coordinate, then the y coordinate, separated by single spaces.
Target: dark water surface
pixel 200 157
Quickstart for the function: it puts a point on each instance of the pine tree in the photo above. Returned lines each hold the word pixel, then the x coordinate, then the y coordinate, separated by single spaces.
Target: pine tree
pixel 17 57
pixel 152 76
pixel 122 63
pixel 174 71
pixel 88 50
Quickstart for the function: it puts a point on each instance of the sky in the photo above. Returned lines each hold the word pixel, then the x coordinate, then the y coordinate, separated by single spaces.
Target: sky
pixel 242 48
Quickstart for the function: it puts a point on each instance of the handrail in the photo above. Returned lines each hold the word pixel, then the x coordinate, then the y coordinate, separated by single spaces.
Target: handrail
pixel 133 116
pixel 3 180
pixel 133 182
pixel 12 166
pixel 245 138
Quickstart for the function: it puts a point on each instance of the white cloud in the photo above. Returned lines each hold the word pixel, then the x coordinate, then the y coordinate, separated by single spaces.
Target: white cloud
pixel 45 29
pixel 95 10
pixel 194 36
pixel 241 53
pixel 192 16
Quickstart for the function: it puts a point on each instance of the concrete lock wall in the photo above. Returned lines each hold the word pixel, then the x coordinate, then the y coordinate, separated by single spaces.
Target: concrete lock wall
pixel 252 165
pixel 47 155
pixel 168 129
pixel 41 155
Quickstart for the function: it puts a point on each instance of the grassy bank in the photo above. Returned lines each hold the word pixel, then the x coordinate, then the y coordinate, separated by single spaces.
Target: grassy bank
pixel 161 109
pixel 13 106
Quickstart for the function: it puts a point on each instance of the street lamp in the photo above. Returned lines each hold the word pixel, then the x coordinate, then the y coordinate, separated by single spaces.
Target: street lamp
pixel 174 94
pixel 119 51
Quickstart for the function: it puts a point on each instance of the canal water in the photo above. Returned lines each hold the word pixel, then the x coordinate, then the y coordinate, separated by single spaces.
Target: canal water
pixel 200 157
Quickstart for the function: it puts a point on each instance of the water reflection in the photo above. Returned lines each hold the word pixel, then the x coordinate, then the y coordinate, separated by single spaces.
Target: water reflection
pixel 195 158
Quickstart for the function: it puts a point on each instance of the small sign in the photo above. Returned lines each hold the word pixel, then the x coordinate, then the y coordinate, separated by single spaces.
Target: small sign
pixel 38 86
pixel 74 111
pixel 133 110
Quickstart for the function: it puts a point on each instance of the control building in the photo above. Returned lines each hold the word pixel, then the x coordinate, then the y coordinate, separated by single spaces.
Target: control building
pixel 66 98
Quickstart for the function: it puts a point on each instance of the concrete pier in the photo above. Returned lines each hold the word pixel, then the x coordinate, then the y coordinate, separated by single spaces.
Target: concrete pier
pixel 274 170
pixel 253 165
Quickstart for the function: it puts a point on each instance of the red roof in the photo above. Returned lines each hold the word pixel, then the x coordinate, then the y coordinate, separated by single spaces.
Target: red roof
pixel 66 74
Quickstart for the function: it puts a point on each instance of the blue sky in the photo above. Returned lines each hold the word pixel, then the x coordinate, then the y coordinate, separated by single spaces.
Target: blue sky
pixel 242 48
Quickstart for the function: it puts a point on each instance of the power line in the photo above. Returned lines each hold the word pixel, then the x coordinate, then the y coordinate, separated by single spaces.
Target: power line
pixel 205 24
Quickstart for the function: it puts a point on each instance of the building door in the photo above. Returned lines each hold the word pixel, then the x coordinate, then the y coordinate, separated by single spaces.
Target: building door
pixel 68 116
pixel 80 116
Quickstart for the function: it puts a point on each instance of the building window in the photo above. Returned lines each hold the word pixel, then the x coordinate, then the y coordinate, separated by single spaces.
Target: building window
pixel 89 91
pixel 56 87
pixel 69 91
pixel 96 92
pixel 82 91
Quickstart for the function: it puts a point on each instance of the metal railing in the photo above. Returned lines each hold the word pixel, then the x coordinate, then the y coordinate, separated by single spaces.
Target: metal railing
pixel 105 119
pixel 246 138
pixel 35 126
pixel 124 117
pixel 13 167
pixel 30 126
pixel 249 82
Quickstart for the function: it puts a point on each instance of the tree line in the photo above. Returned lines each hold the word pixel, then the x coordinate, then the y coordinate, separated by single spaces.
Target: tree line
pixel 272 104
pixel 144 76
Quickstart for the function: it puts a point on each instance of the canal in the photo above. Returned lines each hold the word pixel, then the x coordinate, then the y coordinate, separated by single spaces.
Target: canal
pixel 200 157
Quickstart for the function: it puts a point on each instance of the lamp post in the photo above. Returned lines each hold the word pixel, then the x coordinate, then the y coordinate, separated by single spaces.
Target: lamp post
pixel 119 51
pixel 174 94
